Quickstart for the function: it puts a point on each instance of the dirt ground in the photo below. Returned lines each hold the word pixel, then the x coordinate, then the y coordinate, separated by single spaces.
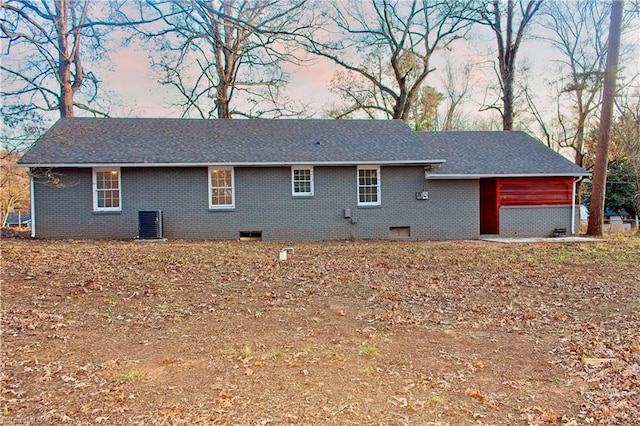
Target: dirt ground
pixel 364 332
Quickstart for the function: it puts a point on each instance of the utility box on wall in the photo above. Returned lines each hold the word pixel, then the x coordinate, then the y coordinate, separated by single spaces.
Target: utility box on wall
pixel 150 224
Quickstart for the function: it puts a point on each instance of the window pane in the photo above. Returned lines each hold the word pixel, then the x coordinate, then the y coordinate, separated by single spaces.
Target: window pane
pixel 101 200
pixel 108 199
pixel 116 199
pixel 112 199
pixel 221 196
pixel 302 174
pixel 368 194
pixel 303 187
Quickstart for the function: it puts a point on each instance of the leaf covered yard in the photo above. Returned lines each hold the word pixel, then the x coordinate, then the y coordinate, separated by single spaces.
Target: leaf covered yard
pixel 356 332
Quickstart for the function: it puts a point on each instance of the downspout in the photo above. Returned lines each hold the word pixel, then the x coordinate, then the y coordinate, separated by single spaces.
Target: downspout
pixel 32 202
pixel 573 204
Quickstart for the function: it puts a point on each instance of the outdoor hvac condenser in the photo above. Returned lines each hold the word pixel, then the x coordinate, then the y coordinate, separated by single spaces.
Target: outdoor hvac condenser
pixel 149 224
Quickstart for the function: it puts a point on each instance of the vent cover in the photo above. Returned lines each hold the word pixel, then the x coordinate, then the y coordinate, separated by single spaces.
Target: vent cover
pixel 149 224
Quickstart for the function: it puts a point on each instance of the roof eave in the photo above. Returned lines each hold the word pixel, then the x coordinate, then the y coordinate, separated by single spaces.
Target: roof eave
pixel 237 164
pixel 443 176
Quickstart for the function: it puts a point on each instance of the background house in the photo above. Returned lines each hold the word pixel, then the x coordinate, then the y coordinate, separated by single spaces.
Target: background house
pixel 18 219
pixel 617 221
pixel 293 180
pixel 584 214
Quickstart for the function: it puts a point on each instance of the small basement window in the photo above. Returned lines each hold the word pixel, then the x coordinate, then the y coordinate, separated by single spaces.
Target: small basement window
pixel 250 235
pixel 399 231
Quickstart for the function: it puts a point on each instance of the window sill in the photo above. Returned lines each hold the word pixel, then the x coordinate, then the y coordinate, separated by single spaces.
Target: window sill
pixel 372 206
pixel 221 209
pixel 302 196
pixel 107 212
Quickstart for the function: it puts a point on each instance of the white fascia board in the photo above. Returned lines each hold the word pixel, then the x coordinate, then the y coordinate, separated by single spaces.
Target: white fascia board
pixel 241 164
pixel 478 176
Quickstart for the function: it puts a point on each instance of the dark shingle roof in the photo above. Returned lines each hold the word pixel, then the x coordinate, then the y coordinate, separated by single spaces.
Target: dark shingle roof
pixel 498 153
pixel 82 141
pixel 92 141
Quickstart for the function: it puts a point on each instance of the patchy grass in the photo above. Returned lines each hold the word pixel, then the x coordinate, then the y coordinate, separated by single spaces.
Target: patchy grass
pixel 364 332
pixel 369 349
pixel 131 376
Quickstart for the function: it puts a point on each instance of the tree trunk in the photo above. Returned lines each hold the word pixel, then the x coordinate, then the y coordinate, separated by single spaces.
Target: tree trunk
pixel 222 101
pixel 507 111
pixel 65 104
pixel 596 214
pixel 66 93
pixel 508 46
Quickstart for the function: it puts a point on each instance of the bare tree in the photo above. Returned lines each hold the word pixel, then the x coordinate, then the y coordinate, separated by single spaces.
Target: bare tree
pixel 508 38
pixel 46 45
pixel 385 47
pixel 596 214
pixel 361 97
pixel 578 32
pixel 456 87
pixel 357 94
pixel 225 58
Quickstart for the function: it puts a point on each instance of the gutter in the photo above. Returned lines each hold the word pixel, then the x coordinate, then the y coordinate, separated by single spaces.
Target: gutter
pixel 442 176
pixel 242 164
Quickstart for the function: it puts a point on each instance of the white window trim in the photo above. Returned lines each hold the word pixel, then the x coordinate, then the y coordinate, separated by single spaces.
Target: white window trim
pixel 378 192
pixel 95 189
pixel 293 190
pixel 233 189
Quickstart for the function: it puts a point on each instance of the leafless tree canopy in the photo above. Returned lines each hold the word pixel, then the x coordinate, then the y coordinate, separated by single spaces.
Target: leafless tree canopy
pixel 578 33
pixel 509 26
pixel 385 48
pixel 225 58
pixel 456 85
pixel 45 45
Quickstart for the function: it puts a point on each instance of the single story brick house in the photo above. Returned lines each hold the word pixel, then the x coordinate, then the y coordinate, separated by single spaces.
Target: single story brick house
pixel 293 180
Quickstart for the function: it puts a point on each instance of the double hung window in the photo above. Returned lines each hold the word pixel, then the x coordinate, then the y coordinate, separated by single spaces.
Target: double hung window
pixel 107 196
pixel 221 188
pixel 302 181
pixel 368 186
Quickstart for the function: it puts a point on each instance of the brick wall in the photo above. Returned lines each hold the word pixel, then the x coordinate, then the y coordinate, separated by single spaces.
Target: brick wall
pixel 263 203
pixel 534 221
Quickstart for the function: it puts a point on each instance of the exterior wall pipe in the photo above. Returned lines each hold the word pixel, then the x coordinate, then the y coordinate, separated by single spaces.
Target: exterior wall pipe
pixel 573 205
pixel 32 203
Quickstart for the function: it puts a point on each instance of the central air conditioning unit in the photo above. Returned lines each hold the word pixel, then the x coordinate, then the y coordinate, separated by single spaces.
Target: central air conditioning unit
pixel 149 224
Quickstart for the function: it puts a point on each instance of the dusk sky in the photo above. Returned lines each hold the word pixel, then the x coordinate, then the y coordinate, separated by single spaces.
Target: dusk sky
pixel 128 80
pixel 136 85
pixel 131 78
